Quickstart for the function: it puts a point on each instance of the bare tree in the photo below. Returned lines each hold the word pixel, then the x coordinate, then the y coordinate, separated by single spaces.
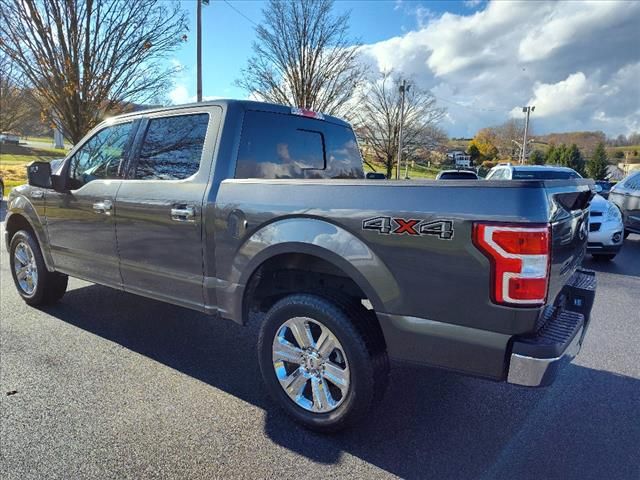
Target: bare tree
pixel 83 58
pixel 303 57
pixel 15 101
pixel 509 138
pixel 377 121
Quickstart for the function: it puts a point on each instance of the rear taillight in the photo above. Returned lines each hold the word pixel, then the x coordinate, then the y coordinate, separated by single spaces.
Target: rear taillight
pixel 303 112
pixel 519 261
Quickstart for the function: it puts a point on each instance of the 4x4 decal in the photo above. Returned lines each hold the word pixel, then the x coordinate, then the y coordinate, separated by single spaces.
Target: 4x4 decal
pixel 443 229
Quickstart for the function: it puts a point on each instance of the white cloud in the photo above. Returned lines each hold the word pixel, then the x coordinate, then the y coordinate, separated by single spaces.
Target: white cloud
pixel 179 95
pixel 555 98
pixel 576 61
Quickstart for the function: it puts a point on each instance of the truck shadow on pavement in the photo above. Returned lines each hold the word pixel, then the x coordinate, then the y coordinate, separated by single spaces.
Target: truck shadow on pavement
pixel 430 423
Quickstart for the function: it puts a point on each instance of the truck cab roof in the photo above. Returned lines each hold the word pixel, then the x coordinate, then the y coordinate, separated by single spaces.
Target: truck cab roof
pixel 241 105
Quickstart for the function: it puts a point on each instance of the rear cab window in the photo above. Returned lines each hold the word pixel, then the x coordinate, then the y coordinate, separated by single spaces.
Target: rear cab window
pixel 633 182
pixel 276 145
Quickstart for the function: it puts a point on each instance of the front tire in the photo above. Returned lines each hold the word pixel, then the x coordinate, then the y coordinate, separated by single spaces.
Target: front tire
pixel 35 284
pixel 322 360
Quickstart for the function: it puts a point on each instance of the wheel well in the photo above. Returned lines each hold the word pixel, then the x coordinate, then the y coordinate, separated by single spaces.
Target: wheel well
pixel 15 223
pixel 290 273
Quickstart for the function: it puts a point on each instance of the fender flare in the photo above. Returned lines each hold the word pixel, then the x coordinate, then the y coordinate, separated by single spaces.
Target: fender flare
pixel 22 207
pixel 318 238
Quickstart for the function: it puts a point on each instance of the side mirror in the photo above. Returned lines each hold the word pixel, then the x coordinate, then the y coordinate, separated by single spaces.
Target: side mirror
pixel 598 188
pixel 39 174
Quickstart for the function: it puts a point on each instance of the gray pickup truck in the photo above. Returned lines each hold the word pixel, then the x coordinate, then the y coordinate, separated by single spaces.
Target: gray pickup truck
pixel 236 207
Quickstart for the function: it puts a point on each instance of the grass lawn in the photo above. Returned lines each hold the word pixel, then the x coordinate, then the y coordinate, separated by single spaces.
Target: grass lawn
pixel 48 140
pixel 14 160
pixel 417 172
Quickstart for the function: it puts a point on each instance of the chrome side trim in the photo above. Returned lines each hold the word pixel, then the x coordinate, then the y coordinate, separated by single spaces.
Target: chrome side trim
pixel 537 372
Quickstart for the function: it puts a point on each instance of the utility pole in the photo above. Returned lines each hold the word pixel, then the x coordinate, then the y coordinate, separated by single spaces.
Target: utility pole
pixel 199 48
pixel 528 111
pixel 403 89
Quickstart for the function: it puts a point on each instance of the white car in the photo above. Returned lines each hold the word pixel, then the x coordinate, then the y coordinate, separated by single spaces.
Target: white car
pixel 605 229
pixel 9 138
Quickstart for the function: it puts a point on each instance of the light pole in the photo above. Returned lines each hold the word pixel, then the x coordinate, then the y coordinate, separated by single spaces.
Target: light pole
pixel 199 47
pixel 403 89
pixel 528 111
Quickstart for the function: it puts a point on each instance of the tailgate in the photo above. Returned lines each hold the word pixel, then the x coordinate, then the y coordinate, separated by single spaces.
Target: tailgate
pixel 569 217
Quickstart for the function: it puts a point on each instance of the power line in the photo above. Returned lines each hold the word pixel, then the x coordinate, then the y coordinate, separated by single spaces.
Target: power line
pixel 240 13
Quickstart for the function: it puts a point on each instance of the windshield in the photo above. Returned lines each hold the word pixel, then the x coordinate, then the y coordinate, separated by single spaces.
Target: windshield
pixel 543 174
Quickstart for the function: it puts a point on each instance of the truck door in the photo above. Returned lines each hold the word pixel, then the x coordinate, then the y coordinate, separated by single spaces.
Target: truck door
pixel 159 205
pixel 81 221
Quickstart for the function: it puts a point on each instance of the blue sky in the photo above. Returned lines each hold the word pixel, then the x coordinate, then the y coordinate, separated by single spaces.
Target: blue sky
pixel 575 61
pixel 227 36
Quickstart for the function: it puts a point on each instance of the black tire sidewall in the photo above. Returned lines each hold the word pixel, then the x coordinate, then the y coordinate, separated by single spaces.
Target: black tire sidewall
pixel 37 296
pixel 361 386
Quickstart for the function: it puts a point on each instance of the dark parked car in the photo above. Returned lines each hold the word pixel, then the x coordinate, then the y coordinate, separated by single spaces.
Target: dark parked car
pixel 626 195
pixel 604 187
pixel 234 207
pixel 457 175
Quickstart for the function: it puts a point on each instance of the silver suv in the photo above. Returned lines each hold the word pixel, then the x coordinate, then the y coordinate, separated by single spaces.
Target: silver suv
pixel 626 196
pixel 506 171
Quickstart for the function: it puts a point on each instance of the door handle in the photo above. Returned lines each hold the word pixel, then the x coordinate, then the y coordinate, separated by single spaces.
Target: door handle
pixel 183 214
pixel 103 207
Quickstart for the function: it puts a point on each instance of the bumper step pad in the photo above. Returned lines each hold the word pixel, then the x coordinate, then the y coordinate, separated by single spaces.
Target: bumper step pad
pixel 536 359
pixel 552 339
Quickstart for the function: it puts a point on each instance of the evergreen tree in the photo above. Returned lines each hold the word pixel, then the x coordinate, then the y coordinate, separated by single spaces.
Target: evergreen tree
pixel 572 157
pixel 536 158
pixel 553 155
pixel 597 164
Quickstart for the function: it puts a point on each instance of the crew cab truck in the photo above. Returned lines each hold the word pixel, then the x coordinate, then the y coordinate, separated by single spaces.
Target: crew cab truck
pixel 234 207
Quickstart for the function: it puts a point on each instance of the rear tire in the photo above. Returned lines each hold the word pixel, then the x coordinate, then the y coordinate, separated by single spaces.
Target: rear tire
pixel 35 284
pixel 358 363
pixel 604 256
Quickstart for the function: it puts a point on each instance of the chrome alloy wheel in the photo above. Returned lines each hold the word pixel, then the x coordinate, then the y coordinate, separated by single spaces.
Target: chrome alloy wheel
pixel 311 365
pixel 25 268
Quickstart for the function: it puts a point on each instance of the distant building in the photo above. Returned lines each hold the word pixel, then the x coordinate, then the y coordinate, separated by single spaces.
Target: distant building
pixel 459 158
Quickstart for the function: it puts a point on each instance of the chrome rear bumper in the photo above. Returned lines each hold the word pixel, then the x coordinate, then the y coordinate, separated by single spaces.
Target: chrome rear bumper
pixel 539 372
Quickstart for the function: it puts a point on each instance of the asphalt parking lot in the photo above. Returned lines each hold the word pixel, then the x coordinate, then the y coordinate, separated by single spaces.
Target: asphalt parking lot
pixel 109 385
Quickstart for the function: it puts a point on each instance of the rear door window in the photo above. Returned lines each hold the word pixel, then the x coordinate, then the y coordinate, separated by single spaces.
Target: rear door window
pixel 172 147
pixel 274 145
